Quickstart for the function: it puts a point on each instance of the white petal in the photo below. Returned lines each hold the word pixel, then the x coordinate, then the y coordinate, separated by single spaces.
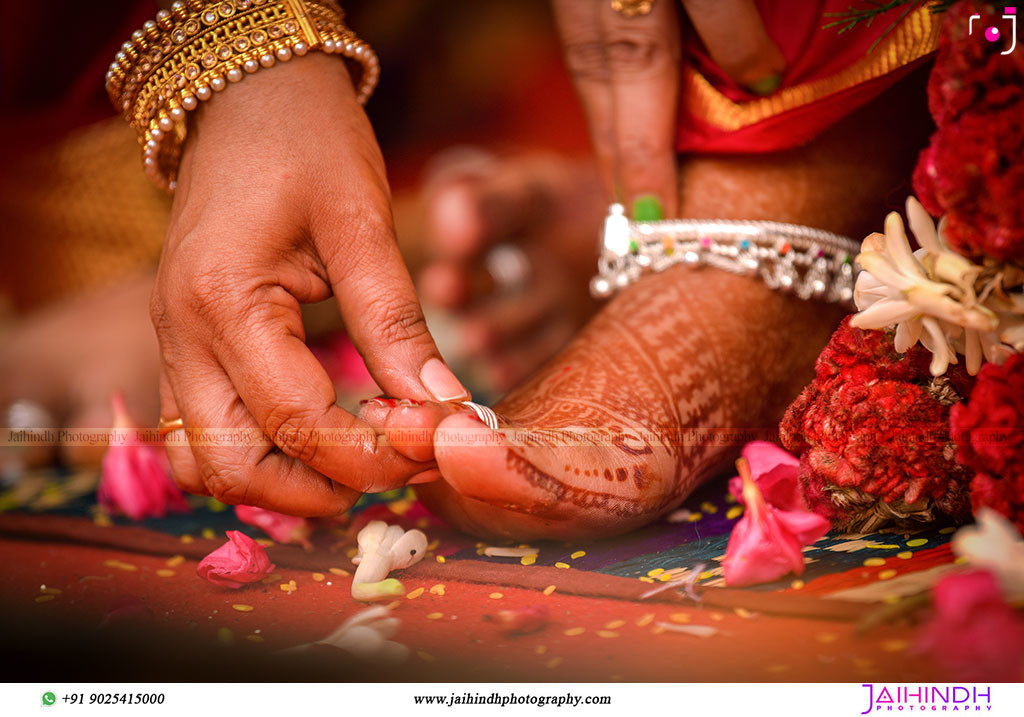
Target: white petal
pixel 868 290
pixel 883 314
pixel 936 341
pixel 941 231
pixel 972 351
pixel 883 270
pixel 993 544
pixel 930 303
pixel 908 333
pixel 923 226
pixel 898 248
pixel 1013 335
pixel 956 270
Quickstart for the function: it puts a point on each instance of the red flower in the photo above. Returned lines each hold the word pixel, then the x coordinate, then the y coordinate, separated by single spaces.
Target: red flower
pixel 767 543
pixel 280 527
pixel 989 428
pixel 136 479
pixel 989 434
pixel 1004 495
pixel 973 634
pixel 873 436
pixel 238 562
pixel 973 171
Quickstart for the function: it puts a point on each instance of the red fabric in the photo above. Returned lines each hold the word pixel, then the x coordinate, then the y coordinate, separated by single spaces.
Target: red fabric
pixel 811 53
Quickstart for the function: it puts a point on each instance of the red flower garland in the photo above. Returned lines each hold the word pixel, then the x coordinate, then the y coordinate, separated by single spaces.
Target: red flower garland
pixel 989 434
pixel 872 434
pixel 972 171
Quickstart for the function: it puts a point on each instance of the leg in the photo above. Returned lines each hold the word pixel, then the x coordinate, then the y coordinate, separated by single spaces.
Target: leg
pixel 687 349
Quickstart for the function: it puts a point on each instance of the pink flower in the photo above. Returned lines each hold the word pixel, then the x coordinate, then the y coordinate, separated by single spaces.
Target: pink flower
pixel 136 478
pixel 239 561
pixel 776 473
pixel 973 633
pixel 767 542
pixel 280 527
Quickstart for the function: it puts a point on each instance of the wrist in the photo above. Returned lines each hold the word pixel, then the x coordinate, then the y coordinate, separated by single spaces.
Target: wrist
pixel 194 51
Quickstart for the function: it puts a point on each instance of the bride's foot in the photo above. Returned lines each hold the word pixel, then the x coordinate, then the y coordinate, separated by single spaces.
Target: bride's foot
pixel 684 350
pixel 598 441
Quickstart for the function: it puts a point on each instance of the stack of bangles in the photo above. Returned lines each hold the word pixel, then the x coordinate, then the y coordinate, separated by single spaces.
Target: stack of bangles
pixel 198 48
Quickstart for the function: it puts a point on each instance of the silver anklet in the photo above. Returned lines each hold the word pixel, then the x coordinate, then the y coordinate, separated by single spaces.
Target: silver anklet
pixel 811 263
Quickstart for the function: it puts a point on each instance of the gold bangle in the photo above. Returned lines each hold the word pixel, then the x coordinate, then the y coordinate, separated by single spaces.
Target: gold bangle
pixel 198 47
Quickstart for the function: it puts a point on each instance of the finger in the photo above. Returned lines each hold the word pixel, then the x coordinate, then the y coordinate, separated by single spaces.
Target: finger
pixel 735 37
pixel 643 61
pixel 580 27
pixel 184 468
pixel 409 428
pixel 237 465
pixel 382 312
pixel 626 71
pixel 291 397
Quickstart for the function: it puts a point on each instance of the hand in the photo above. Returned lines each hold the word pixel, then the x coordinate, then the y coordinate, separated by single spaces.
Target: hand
pixel 626 70
pixel 546 206
pixel 282 200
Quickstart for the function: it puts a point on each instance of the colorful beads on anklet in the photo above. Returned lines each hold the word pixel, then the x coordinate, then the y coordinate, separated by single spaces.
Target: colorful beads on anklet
pixel 811 263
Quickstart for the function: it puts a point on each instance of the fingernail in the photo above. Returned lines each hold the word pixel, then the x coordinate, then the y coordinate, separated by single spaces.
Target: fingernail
pixel 439 380
pixel 647 208
pixel 766 85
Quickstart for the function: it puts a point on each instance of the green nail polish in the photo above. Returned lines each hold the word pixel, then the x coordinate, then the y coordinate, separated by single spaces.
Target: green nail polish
pixel 766 85
pixel 647 208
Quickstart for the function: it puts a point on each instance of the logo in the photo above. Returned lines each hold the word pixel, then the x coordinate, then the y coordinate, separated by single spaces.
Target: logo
pixel 49 698
pixel 928 698
pixel 992 33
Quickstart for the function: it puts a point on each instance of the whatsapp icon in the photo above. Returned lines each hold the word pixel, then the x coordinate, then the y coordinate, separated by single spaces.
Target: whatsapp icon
pixel 49 698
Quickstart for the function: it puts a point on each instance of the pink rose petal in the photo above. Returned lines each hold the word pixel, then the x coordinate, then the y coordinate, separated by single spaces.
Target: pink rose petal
pixel 136 478
pixel 280 527
pixel 777 474
pixel 973 633
pixel 238 562
pixel 767 542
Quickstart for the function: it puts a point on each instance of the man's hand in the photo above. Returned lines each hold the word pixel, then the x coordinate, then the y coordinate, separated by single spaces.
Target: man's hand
pixel 282 199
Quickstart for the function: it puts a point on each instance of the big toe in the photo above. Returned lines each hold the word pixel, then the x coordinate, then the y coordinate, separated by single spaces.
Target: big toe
pixel 480 463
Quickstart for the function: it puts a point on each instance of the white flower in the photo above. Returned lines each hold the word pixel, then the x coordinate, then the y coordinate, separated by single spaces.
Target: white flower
pixel 935 296
pixel 383 548
pixel 366 635
pixel 994 544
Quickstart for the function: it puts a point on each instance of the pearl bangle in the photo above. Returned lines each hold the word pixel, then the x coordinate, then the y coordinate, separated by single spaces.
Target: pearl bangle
pixel 199 47
pixel 811 263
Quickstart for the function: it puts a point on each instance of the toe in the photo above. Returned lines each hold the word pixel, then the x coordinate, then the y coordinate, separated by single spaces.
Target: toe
pixel 480 464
